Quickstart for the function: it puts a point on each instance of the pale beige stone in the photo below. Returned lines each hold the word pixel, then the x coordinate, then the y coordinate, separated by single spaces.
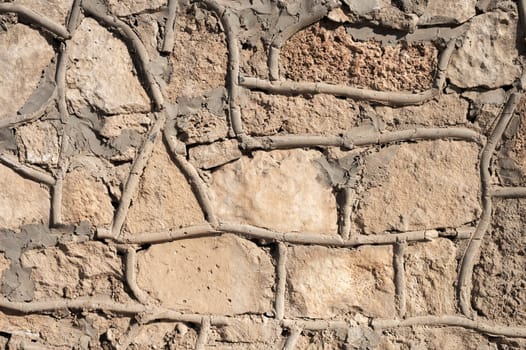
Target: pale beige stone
pixel 24 54
pixel 199 59
pixel 263 332
pixel 280 190
pixel 164 335
pixel 215 154
pixel 424 185
pixel 39 143
pixel 85 198
pixel 451 338
pixel 325 282
pixel 75 269
pixel 218 275
pixel 449 109
pixel 164 199
pixel 488 56
pixel 56 10
pixel 22 201
pixel 101 74
pixel 116 124
pixel 128 7
pixel 42 332
pixel 265 114
pixel 448 11
pixel 431 273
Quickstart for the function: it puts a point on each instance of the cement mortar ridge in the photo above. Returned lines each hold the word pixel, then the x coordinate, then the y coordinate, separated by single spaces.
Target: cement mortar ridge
pixel 145 310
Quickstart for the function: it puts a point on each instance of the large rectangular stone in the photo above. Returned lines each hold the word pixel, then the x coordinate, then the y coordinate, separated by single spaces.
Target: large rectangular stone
pixel 324 282
pixel 416 186
pixel 218 275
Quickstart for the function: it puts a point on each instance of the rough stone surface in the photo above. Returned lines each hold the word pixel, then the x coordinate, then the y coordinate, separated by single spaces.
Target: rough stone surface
pixel 24 54
pixel 115 125
pixel 86 197
pixel 431 184
pixel 281 190
pixel 319 54
pixel 436 338
pixel 211 156
pixel 512 162
pixel 488 56
pixel 164 335
pixel 201 127
pixel 75 270
pixel 42 332
pixel 4 264
pixel 56 10
pixel 450 109
pixel 126 8
pixel 430 270
pixel 448 12
pixel 39 143
pixel 499 277
pixel 265 114
pixel 311 198
pixel 187 275
pixel 22 201
pixel 199 57
pixel 260 333
pixel 324 282
pixel 328 340
pixel 164 199
pixel 101 74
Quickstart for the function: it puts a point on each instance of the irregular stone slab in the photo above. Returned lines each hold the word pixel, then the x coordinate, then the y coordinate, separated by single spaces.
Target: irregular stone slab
pixel 201 127
pixel 56 10
pixel 42 332
pixel 39 143
pixel 454 338
pixel 321 53
pixel 164 199
pixel 22 201
pixel 85 197
pixel 219 275
pixel 128 7
pixel 218 153
pixel 264 114
pixel 24 54
pixel 431 273
pixel 325 282
pixel 499 277
pixel 164 335
pixel 448 12
pixel 424 185
pixel 199 59
pixel 264 332
pixel 75 269
pixel 115 125
pixel 450 109
pixel 488 54
pixel 101 74
pixel 281 190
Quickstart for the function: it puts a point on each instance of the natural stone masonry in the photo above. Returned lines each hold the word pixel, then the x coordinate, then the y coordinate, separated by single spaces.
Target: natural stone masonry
pixel 324 283
pixel 432 184
pixel 262 175
pixel 24 55
pixel 233 273
pixel 282 190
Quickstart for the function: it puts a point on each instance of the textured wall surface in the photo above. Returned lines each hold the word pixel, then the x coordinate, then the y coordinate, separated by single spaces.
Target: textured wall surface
pixel 271 174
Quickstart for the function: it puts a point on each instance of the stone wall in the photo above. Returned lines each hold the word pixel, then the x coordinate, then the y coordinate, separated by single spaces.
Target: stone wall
pixel 309 174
